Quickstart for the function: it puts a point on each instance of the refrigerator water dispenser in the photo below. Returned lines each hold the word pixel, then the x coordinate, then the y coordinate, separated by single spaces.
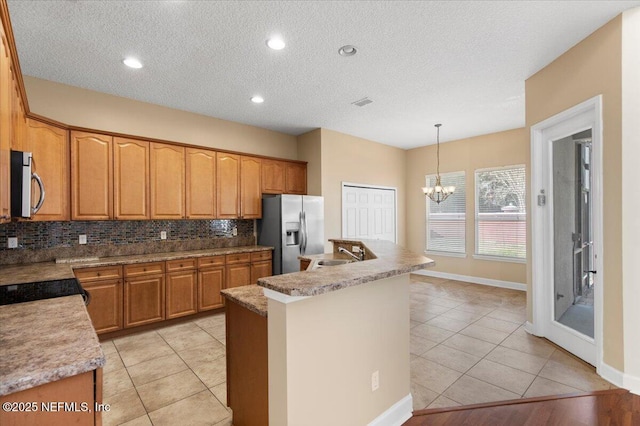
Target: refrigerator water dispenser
pixel 292 233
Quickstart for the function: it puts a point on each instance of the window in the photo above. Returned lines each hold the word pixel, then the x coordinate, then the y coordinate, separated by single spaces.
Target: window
pixel 446 221
pixel 500 213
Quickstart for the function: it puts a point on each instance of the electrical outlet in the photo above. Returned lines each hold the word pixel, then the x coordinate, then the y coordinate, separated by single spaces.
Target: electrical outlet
pixel 82 239
pixel 375 380
pixel 12 242
pixel 235 231
pixel 163 235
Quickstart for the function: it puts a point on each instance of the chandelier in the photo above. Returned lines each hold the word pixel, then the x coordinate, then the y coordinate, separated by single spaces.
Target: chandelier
pixel 438 193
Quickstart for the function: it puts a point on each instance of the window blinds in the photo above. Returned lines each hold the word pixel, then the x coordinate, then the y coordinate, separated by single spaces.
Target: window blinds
pixel 500 212
pixel 446 221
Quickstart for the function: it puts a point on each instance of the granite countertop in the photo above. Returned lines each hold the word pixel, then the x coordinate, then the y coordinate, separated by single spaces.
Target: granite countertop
pixel 249 296
pixel 47 340
pixel 44 341
pixel 391 260
pixel 22 273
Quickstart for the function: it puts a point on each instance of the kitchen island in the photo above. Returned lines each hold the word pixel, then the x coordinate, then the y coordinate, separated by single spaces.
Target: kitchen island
pixel 337 339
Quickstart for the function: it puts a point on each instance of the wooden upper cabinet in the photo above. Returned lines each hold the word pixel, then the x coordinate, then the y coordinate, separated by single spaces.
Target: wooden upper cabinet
pixel 167 181
pixel 91 176
pixel 50 148
pixel 228 185
pixel 201 183
pixel 273 176
pixel 131 179
pixel 296 178
pixel 5 130
pixel 250 188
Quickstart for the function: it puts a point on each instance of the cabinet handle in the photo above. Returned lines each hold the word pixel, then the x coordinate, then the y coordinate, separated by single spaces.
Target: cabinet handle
pixel 181 265
pixel 97 274
pixel 144 269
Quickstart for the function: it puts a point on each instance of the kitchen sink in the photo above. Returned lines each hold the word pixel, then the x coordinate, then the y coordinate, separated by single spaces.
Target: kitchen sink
pixel 332 262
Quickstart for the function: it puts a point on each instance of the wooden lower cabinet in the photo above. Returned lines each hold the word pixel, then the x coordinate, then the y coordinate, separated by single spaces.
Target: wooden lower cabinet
pixel 144 299
pixel 238 275
pixel 84 388
pixel 247 388
pixel 105 308
pixel 182 293
pixel 260 270
pixel 210 282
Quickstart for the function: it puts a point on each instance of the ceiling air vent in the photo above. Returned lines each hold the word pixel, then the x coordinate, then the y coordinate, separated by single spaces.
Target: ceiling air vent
pixel 362 102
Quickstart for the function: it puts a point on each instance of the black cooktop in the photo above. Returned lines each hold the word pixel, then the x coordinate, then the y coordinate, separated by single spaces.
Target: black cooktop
pixel 28 292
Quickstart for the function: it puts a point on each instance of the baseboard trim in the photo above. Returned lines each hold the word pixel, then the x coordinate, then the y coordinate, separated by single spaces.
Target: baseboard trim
pixel 476 280
pixel 395 415
pixel 620 379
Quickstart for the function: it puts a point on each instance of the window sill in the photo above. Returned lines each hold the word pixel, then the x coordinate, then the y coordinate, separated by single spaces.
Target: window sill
pixel 499 258
pixel 445 253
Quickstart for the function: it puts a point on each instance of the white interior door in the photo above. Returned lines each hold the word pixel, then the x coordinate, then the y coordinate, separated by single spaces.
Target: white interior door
pixel 368 212
pixel 567 230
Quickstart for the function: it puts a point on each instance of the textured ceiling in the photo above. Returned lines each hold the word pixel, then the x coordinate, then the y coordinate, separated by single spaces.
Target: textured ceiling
pixel 462 63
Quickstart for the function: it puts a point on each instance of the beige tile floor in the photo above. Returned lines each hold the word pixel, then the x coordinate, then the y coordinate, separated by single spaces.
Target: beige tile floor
pixel 174 375
pixel 467 346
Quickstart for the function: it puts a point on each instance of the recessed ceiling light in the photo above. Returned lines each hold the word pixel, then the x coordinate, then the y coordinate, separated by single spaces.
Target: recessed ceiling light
pixel 347 50
pixel 132 63
pixel 257 99
pixel 276 43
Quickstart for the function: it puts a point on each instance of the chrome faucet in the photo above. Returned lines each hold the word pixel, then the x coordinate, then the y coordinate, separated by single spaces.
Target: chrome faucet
pixel 358 258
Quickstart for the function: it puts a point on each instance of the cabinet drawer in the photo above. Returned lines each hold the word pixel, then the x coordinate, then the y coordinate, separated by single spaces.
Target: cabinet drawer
pixel 98 273
pixel 143 269
pixel 257 256
pixel 181 264
pixel 238 258
pixel 205 262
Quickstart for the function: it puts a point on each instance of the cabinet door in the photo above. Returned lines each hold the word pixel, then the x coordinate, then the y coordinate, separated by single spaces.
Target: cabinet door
pixel 182 293
pixel 201 183
pixel 210 282
pixel 167 181
pixel 130 179
pixel 50 148
pixel 227 185
pixel 296 178
pixel 250 189
pixel 105 308
pixel 91 176
pixel 260 270
pixel 5 130
pixel 143 300
pixel 238 275
pixel 273 176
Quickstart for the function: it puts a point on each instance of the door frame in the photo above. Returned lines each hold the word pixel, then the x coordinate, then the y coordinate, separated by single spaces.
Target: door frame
pixel 363 185
pixel 587 114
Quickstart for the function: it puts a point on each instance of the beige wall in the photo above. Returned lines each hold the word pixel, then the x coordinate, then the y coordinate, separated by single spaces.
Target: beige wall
pixel 590 68
pixel 310 150
pixel 347 158
pixel 630 191
pixel 493 150
pixel 86 108
pixel 323 350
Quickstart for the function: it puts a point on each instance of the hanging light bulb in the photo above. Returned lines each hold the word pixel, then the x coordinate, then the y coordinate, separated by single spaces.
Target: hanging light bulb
pixel 438 193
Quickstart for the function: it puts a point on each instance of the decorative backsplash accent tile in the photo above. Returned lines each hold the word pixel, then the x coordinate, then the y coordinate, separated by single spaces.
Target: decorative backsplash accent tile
pixel 45 241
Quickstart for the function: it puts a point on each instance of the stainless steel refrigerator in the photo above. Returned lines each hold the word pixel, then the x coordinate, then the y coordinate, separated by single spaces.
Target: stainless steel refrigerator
pixel 294 226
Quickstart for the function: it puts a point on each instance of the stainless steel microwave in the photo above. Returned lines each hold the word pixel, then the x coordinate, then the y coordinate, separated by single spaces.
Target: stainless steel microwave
pixel 21 177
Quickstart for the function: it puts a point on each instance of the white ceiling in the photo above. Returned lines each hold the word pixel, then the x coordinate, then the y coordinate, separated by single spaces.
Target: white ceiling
pixel 462 63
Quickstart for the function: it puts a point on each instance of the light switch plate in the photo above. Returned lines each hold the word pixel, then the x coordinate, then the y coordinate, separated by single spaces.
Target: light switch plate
pixel 82 239
pixel 163 235
pixel 12 242
pixel 235 231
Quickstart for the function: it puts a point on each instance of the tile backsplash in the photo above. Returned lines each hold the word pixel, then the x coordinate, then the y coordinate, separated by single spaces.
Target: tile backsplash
pixel 46 241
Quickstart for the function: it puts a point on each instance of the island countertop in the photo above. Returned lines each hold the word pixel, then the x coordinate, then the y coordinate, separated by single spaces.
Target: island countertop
pixel 248 296
pixel 390 260
pixel 44 341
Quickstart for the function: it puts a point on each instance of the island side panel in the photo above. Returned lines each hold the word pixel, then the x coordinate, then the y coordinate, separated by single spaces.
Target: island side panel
pixel 324 349
pixel 247 371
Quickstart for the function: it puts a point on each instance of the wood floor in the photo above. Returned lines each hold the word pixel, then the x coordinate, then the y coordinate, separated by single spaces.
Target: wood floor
pixel 607 408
